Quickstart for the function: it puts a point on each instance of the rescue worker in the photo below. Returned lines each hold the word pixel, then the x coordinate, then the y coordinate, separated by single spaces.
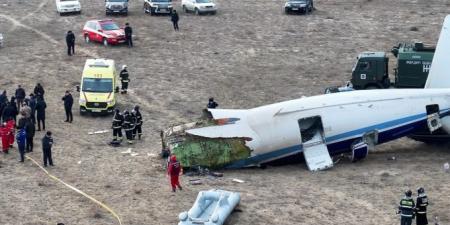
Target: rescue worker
pixel 174 171
pixel 124 79
pixel 11 125
pixel 32 104
pixel 40 112
pixel 212 104
pixel 20 96
pixel 138 118
pixel 47 143
pixel 68 102
pixel 38 90
pixel 421 209
pixel 128 126
pixel 117 125
pixel 4 134
pixel 70 41
pixel 29 130
pixel 175 18
pixel 406 209
pixel 128 35
pixel 21 137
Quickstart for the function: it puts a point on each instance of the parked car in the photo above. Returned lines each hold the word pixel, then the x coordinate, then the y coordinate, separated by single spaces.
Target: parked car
pixel 104 31
pixel 298 6
pixel 199 6
pixel 116 7
pixel 68 6
pixel 158 6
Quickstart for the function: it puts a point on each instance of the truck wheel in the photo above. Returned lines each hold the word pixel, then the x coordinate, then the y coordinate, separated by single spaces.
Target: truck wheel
pixel 86 38
pixel 286 10
pixel 105 42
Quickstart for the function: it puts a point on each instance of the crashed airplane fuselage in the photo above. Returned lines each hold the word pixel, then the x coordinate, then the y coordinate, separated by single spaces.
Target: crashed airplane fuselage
pixel 348 122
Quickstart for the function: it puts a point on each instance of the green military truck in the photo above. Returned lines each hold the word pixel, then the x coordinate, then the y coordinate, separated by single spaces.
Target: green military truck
pixel 371 70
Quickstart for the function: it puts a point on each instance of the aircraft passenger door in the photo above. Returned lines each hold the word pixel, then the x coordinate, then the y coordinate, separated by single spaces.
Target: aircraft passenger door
pixel 315 149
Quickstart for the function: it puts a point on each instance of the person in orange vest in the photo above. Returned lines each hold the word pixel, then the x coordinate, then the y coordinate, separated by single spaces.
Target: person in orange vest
pixel 4 134
pixel 174 170
pixel 11 124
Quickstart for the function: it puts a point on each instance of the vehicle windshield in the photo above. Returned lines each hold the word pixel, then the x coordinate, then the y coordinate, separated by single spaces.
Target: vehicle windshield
pixel 203 1
pixel 116 0
pixel 101 85
pixel 161 0
pixel 109 26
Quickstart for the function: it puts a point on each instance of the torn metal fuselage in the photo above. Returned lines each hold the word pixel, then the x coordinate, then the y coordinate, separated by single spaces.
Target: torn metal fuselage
pixel 192 150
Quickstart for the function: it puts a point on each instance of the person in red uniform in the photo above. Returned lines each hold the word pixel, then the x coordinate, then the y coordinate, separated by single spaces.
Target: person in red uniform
pixel 11 124
pixel 4 134
pixel 174 171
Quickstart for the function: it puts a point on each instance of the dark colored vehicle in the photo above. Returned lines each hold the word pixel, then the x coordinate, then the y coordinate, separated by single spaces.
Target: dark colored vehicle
pixel 371 71
pixel 116 7
pixel 298 6
pixel 158 6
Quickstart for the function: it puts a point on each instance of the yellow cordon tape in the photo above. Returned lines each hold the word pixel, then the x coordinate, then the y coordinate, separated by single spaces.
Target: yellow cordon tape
pixel 76 190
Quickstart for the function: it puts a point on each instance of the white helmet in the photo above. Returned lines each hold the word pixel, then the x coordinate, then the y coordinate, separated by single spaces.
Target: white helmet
pixel 124 66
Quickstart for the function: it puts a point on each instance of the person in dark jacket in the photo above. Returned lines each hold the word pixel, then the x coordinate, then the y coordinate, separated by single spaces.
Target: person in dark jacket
pixel 10 111
pixel 47 143
pixel 30 129
pixel 421 209
pixel 21 138
pixel 20 96
pixel 32 104
pixel 128 126
pixel 138 127
pixel 117 125
pixel 40 112
pixel 406 209
pixel 70 41
pixel 124 79
pixel 38 90
pixel 175 18
pixel 68 102
pixel 3 103
pixel 129 35
pixel 212 104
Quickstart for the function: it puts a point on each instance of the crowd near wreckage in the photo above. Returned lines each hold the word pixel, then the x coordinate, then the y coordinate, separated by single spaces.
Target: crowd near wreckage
pixel 322 126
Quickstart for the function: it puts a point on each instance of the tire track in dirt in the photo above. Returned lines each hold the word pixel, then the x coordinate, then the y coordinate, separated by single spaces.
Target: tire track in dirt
pixel 17 23
pixel 43 3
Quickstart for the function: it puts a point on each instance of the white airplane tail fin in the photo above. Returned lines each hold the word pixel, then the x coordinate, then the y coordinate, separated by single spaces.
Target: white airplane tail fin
pixel 439 76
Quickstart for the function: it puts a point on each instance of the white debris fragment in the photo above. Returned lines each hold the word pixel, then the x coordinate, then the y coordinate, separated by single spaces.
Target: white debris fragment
pixel 152 155
pixel 79 162
pixel 446 167
pixel 98 132
pixel 128 151
pixel 238 180
pixel 134 154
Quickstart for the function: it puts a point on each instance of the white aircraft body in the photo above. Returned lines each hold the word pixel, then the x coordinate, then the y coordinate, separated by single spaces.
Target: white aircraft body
pixel 349 122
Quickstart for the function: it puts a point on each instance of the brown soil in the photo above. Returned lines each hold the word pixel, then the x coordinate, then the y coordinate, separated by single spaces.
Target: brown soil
pixel 249 54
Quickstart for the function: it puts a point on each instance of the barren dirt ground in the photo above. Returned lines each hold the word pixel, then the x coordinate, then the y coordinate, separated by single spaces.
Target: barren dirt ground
pixel 249 54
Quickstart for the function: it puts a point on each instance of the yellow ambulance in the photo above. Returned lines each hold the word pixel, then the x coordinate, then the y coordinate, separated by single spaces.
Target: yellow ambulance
pixel 98 86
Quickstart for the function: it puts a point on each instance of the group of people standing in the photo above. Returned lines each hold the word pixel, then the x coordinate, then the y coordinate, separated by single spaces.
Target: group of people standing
pixel 130 122
pixel 19 116
pixel 408 209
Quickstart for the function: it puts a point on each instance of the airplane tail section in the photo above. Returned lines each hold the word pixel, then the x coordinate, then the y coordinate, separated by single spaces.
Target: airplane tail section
pixel 439 76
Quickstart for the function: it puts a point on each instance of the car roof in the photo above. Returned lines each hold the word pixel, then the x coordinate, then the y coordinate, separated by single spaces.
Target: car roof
pixel 103 67
pixel 102 21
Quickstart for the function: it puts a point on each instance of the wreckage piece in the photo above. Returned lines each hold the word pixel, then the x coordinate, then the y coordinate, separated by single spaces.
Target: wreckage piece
pixel 210 208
